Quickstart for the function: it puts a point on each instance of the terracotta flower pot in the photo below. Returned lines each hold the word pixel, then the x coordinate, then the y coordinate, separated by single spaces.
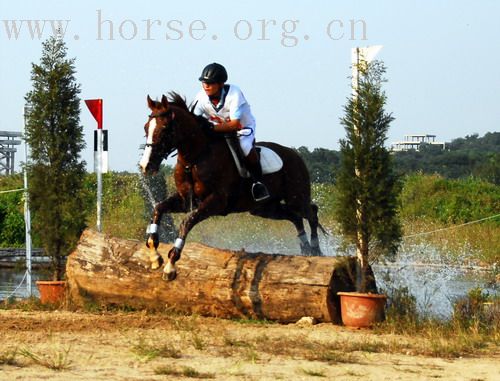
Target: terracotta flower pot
pixel 51 291
pixel 361 310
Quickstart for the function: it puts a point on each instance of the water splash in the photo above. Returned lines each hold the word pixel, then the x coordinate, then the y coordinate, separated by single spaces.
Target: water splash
pixel 154 190
pixel 146 188
pixel 434 276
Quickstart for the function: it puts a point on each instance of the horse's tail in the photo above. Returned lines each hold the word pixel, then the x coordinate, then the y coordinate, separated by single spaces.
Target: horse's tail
pixel 315 210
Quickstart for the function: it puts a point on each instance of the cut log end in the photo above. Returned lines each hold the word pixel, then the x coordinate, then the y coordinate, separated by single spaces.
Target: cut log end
pixel 109 271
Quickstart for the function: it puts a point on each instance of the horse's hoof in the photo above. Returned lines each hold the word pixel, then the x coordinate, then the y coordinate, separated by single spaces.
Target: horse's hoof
pixel 305 249
pixel 169 277
pixel 316 251
pixel 156 261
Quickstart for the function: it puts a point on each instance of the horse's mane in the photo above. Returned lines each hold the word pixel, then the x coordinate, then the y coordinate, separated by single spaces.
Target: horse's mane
pixel 177 100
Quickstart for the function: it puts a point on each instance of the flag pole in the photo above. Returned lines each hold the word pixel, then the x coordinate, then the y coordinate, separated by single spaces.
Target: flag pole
pixel 99 179
pixel 95 107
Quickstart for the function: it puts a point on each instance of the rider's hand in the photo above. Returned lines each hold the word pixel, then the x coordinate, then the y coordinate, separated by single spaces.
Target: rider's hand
pixel 217 119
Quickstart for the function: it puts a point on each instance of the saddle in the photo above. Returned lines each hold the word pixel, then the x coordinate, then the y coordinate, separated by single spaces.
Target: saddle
pixel 269 160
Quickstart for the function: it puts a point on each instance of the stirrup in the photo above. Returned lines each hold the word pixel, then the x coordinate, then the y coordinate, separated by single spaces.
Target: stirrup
pixel 259 191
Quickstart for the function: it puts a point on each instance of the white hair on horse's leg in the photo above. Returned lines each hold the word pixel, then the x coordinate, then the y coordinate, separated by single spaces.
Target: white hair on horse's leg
pixel 179 243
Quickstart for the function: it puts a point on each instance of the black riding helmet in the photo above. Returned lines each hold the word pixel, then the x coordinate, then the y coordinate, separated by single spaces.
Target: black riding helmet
pixel 213 73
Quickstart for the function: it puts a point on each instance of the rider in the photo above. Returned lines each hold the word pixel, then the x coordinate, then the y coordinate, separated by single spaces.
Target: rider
pixel 226 107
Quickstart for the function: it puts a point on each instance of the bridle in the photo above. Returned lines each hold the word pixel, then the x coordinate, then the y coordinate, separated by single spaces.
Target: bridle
pixel 164 114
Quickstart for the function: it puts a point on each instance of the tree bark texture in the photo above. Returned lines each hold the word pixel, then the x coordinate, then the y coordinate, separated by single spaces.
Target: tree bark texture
pixel 211 282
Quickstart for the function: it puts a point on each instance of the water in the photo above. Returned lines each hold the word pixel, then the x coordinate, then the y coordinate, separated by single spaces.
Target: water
pixel 433 276
pixel 12 279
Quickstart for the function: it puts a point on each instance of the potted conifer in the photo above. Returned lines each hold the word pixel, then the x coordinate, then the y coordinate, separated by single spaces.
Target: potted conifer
pixel 55 171
pixel 368 191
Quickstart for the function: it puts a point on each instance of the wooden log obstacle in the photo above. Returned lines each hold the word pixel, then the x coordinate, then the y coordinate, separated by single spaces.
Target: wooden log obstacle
pixel 212 282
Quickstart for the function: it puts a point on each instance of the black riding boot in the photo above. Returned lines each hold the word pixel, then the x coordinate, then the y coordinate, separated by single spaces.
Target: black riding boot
pixel 252 163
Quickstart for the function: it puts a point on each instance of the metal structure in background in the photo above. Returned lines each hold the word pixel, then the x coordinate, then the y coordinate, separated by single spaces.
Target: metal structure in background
pixel 8 150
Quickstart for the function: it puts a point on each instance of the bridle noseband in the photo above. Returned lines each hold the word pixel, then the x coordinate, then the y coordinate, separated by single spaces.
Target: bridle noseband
pixel 164 114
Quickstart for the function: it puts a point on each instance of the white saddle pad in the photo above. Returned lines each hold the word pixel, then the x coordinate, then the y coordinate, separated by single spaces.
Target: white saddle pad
pixel 269 160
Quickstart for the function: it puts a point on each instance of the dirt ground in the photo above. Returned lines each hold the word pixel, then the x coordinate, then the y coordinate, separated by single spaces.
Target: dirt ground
pixel 141 346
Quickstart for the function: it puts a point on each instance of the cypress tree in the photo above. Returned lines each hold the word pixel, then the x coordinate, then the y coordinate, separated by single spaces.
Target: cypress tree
pixel 368 188
pixel 55 136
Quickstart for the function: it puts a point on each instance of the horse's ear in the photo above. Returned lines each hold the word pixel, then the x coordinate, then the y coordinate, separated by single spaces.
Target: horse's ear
pixel 164 101
pixel 151 103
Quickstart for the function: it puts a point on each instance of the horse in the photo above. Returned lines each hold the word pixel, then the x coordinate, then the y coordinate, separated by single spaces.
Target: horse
pixel 207 179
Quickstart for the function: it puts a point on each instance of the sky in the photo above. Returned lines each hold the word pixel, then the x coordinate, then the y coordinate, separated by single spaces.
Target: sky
pixel 290 58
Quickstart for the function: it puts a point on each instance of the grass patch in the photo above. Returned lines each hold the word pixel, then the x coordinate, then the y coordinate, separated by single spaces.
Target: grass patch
pixel 27 305
pixel 332 357
pixel 197 341
pixel 8 357
pixel 229 341
pixel 254 321
pixel 473 329
pixel 313 373
pixel 251 355
pixel 185 371
pixel 149 351
pixel 57 360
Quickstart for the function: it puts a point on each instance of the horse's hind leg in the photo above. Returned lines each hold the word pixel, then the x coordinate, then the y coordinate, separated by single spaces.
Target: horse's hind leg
pixel 314 223
pixel 281 212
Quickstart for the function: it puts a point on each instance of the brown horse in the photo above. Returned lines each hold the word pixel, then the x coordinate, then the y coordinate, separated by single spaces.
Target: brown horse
pixel 209 184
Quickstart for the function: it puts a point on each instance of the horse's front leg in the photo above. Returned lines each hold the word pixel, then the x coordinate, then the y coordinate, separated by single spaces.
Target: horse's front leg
pixel 210 206
pixel 173 204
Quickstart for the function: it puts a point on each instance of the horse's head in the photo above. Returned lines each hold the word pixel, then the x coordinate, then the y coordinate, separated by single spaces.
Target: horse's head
pixel 160 135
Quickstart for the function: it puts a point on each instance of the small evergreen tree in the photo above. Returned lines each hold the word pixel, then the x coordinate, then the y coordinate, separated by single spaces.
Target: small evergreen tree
pixel 368 188
pixel 55 137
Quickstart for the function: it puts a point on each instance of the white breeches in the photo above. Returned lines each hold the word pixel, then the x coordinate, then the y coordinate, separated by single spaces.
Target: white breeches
pixel 246 138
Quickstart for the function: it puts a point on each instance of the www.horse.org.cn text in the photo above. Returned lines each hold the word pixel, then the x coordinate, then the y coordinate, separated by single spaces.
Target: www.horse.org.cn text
pixel 285 32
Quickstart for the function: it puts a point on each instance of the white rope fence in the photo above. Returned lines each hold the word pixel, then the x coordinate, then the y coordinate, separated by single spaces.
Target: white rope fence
pixel 451 227
pixel 13 190
pixel 18 286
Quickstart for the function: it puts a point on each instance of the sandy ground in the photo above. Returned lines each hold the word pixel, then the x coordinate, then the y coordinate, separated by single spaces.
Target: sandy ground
pixel 141 346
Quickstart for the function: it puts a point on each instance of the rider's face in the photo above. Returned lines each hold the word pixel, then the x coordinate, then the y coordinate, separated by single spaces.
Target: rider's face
pixel 212 89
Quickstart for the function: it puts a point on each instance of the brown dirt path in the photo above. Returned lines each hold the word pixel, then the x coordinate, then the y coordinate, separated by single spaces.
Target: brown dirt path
pixel 137 346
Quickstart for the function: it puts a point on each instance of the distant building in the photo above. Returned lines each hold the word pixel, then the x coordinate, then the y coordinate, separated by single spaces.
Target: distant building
pixel 413 142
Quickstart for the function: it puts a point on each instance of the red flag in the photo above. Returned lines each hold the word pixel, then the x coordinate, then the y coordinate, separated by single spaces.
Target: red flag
pixel 95 107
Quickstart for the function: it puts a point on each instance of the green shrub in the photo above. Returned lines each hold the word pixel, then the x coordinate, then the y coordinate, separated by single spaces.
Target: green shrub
pixel 12 230
pixel 449 201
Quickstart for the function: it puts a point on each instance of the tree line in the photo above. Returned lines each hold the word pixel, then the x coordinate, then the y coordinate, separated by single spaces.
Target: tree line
pixel 471 156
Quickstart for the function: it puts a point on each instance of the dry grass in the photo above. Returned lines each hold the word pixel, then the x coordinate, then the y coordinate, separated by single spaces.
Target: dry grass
pixel 313 372
pixel 9 357
pixel 56 360
pixel 184 371
pixel 149 351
